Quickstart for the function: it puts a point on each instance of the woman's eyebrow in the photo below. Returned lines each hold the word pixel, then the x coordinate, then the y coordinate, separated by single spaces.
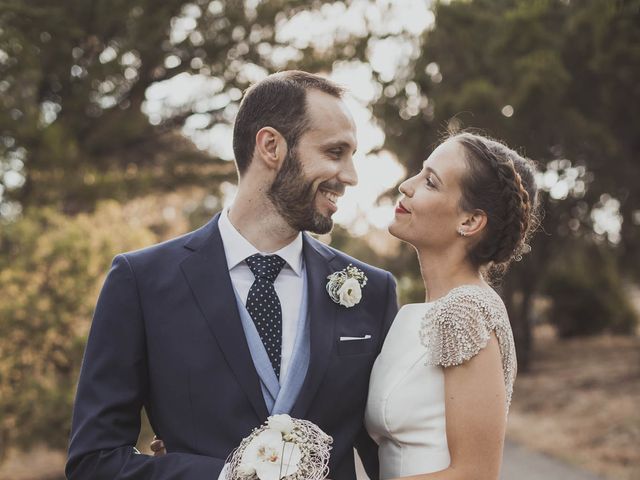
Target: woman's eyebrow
pixel 431 170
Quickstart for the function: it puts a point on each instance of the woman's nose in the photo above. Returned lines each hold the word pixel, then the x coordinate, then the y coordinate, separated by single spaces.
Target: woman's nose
pixel 405 188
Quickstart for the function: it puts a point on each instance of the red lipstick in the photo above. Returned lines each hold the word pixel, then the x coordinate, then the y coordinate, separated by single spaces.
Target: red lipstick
pixel 400 208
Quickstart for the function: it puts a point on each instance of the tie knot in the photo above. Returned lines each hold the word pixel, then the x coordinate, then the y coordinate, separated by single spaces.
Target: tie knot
pixel 265 266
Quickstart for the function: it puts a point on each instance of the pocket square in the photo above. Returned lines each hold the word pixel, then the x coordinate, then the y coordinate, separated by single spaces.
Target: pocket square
pixel 350 339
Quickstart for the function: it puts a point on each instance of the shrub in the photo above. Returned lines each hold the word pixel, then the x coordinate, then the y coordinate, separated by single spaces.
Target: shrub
pixel 51 270
pixel 588 294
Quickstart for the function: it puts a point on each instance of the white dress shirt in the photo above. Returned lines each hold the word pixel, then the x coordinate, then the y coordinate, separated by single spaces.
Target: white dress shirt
pixel 288 284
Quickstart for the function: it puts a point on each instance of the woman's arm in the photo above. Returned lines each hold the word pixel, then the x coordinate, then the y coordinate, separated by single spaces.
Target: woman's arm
pixel 475 406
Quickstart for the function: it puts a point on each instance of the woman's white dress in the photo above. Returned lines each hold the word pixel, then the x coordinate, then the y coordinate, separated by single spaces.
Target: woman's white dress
pixel 405 412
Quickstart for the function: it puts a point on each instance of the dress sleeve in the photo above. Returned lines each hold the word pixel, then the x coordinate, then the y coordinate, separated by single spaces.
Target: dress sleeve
pixel 457 327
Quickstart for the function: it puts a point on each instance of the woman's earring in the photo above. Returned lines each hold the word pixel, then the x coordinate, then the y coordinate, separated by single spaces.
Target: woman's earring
pixel 462 233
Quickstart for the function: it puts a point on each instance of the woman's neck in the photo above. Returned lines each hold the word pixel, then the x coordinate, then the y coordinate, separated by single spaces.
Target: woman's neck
pixel 443 272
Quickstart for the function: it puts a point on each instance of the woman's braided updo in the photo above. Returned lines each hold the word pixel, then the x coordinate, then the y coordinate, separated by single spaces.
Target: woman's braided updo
pixel 502 184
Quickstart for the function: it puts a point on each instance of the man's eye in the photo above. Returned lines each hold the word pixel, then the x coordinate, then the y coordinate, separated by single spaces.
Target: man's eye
pixel 336 151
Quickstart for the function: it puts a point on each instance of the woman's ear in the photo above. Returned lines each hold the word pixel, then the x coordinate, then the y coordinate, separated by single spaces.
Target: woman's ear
pixel 473 224
pixel 271 148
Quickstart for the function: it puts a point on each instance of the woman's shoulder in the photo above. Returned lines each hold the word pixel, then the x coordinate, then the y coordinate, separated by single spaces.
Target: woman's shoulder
pixel 457 326
pixel 460 324
pixel 411 313
pixel 469 303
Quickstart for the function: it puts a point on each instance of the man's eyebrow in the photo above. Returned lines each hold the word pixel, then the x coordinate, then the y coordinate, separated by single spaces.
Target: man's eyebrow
pixel 431 170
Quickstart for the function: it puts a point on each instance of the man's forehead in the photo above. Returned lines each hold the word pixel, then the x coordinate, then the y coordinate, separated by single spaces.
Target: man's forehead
pixel 321 105
pixel 330 119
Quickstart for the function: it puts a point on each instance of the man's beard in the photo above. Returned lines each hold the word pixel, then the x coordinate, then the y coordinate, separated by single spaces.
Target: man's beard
pixel 293 196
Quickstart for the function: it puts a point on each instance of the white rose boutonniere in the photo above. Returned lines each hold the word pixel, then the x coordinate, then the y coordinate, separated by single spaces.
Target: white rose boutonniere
pixel 345 287
pixel 350 293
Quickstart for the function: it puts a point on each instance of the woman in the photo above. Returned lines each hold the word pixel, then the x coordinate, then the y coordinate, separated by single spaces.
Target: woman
pixel 441 387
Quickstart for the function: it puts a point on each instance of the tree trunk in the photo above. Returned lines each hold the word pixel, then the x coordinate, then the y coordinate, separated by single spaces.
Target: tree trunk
pixel 518 297
pixel 4 444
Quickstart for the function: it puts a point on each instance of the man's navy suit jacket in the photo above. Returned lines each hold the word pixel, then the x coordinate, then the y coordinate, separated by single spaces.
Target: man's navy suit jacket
pixel 167 336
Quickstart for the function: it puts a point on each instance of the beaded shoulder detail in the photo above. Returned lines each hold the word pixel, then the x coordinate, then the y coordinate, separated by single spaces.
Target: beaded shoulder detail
pixel 457 326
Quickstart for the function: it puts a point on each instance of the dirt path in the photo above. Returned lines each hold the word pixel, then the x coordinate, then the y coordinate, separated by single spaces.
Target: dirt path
pixel 579 403
pixel 522 464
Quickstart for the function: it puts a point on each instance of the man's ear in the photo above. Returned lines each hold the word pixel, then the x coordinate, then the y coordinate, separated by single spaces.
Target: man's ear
pixel 271 148
pixel 473 224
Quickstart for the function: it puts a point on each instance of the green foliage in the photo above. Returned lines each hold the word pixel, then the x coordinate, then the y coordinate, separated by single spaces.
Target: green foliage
pixel 588 295
pixel 51 270
pixel 551 78
pixel 553 62
pixel 74 77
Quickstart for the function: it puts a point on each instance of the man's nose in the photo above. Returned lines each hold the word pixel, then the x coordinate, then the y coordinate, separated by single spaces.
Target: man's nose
pixel 348 174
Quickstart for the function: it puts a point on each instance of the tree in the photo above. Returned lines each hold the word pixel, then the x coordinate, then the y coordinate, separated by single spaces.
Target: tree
pixel 73 92
pixel 49 280
pixel 555 78
pixel 589 295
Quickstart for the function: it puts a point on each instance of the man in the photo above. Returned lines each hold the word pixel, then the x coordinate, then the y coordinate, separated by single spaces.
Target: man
pixel 214 331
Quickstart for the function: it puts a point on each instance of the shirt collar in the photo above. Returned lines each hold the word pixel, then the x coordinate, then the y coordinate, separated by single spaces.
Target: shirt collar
pixel 237 248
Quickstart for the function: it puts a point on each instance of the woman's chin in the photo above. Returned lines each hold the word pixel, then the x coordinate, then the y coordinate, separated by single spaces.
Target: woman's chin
pixel 395 231
pixel 399 233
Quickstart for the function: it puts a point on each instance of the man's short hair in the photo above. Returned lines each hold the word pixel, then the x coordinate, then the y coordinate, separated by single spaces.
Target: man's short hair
pixel 278 101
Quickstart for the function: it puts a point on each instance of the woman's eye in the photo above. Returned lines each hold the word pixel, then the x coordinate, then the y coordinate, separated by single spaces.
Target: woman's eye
pixel 430 182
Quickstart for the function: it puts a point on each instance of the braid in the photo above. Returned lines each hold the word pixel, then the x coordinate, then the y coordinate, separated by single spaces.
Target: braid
pixel 526 204
pixel 501 183
pixel 516 219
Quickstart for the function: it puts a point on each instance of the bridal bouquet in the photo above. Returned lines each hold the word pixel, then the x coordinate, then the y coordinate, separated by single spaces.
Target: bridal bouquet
pixel 282 448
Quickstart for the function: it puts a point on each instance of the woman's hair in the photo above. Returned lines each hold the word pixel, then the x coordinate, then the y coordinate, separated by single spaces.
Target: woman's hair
pixel 502 184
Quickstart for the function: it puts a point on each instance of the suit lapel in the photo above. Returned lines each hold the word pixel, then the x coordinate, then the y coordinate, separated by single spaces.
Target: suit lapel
pixel 322 316
pixel 208 276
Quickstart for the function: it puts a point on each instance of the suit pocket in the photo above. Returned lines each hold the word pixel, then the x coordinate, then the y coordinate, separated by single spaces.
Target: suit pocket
pixel 356 347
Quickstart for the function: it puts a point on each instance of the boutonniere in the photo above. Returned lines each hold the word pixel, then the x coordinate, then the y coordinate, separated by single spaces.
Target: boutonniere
pixel 345 287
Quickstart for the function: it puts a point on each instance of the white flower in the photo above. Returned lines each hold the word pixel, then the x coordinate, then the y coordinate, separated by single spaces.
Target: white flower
pixel 246 470
pixel 345 286
pixel 350 293
pixel 270 456
pixel 282 423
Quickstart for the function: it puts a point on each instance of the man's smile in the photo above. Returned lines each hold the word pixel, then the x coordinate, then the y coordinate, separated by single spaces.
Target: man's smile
pixel 331 196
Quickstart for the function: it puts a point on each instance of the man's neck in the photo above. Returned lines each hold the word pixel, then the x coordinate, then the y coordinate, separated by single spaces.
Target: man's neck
pixel 258 221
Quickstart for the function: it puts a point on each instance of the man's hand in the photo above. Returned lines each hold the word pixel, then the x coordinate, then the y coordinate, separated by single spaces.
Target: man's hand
pixel 157 447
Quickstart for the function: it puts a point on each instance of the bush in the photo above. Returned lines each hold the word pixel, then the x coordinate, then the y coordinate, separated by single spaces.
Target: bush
pixel 588 293
pixel 51 270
